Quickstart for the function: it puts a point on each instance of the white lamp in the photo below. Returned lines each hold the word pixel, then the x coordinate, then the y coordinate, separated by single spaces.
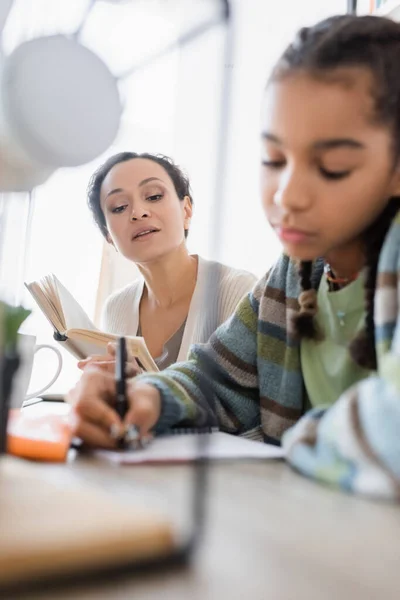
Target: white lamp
pixel 59 107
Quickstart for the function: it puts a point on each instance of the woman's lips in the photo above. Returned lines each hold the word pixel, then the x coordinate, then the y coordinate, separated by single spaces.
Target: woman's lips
pixel 144 235
pixel 293 236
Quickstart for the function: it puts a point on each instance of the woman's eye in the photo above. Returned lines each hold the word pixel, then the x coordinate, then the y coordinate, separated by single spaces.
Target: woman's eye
pixel 334 175
pixel 273 164
pixel 154 197
pixel 118 209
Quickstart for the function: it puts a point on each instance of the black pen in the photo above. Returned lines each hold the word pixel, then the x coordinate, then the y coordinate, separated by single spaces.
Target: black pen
pixel 131 435
pixel 121 405
pixel 121 401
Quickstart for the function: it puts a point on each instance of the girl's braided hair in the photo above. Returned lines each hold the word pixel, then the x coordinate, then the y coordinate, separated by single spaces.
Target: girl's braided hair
pixel 366 42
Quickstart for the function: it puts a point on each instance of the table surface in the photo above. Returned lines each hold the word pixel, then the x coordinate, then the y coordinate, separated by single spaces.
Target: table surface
pixel 270 533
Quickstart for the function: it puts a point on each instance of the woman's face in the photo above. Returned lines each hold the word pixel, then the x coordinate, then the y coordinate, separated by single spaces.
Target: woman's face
pixel 144 216
pixel 327 168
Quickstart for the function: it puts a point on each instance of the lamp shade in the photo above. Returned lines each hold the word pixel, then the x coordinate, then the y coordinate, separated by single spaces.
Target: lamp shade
pixel 59 107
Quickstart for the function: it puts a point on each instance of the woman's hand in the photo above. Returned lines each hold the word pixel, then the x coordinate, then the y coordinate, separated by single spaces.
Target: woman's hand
pixel 97 422
pixel 106 362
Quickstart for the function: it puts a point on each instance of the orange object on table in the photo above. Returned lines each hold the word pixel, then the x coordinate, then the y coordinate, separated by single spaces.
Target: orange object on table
pixel 39 437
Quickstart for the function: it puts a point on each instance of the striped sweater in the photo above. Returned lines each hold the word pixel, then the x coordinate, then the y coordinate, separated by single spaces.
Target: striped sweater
pixel 248 380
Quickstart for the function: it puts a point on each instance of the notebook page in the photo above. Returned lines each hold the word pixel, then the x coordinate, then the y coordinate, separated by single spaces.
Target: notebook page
pixel 183 448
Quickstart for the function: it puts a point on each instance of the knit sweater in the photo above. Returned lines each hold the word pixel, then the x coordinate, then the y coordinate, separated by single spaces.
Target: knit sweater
pixel 217 293
pixel 248 380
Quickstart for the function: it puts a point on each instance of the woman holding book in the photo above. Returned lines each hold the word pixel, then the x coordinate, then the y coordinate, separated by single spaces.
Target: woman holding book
pixel 142 204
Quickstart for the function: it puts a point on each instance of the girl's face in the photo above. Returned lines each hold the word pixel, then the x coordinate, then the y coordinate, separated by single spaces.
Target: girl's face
pixel 144 216
pixel 327 168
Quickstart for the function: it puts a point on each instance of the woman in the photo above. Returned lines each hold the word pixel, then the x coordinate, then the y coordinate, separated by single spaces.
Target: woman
pixel 142 204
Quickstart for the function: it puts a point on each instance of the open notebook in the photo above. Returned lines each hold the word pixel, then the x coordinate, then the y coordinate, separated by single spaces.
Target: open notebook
pixel 182 447
pixel 73 328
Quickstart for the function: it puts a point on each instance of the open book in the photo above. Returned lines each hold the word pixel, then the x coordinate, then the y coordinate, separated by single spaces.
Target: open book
pixel 73 328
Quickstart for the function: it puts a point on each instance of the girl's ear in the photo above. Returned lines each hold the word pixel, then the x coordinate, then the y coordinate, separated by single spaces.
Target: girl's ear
pixel 109 240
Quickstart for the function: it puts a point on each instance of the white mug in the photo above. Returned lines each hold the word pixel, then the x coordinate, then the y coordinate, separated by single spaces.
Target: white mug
pixel 27 349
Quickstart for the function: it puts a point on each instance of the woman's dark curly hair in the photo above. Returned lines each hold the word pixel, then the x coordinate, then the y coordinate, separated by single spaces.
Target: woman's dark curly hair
pixel 180 181
pixel 371 43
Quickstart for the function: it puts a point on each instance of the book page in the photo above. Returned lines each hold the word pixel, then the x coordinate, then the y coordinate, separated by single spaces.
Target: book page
pixel 183 448
pixel 83 347
pixel 58 304
pixel 48 286
pixel 137 347
pixel 74 315
pixel 89 342
pixel 45 301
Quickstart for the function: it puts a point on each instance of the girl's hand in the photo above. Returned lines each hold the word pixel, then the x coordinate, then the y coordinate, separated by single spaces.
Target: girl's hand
pixel 97 422
pixel 106 362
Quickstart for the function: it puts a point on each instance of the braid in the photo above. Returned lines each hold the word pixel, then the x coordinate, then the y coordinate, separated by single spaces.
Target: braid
pixel 362 348
pixel 303 322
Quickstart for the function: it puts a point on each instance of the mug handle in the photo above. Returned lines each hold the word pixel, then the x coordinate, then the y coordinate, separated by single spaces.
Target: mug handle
pixel 58 371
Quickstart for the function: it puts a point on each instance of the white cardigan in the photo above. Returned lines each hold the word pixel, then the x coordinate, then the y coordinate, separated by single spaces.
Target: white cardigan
pixel 224 287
